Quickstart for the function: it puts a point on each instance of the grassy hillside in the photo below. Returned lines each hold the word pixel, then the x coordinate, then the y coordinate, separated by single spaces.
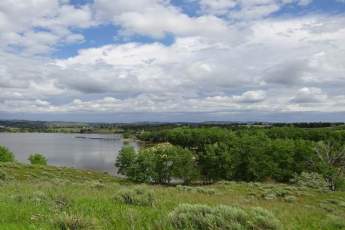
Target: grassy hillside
pixel 39 197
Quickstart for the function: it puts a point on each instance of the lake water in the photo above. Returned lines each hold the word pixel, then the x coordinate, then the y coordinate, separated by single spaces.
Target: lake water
pixel 84 151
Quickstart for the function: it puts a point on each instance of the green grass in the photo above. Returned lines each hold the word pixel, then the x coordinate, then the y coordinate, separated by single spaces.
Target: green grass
pixel 45 197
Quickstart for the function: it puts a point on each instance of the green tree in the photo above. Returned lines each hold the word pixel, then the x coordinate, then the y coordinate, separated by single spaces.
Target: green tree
pixel 330 160
pixel 6 155
pixel 159 164
pixel 37 159
pixel 125 160
pixel 184 165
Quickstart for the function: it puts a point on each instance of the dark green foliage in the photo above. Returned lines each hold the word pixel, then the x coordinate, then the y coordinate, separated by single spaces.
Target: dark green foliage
pixel 125 160
pixel 6 155
pixel 264 153
pixel 37 159
pixel 203 217
pixel 158 164
pixel 244 154
pixel 255 158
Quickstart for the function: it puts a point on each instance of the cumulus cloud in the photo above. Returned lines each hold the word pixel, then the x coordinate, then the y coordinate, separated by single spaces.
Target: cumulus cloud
pixel 36 26
pixel 247 9
pixel 156 18
pixel 230 58
pixel 309 95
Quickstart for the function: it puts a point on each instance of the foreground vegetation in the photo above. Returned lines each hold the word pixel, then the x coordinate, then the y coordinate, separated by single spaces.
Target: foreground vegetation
pixel 45 197
pixel 199 178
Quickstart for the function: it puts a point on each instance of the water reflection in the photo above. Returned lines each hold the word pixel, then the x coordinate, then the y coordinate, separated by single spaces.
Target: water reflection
pixel 85 151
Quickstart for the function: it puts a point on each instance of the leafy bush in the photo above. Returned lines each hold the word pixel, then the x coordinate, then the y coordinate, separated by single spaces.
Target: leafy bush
pixel 6 155
pixel 37 159
pixel 203 217
pixel 136 196
pixel 311 180
pixel 74 222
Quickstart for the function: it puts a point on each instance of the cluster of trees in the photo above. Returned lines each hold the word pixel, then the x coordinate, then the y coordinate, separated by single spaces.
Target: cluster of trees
pixel 159 164
pixel 187 137
pixel 253 154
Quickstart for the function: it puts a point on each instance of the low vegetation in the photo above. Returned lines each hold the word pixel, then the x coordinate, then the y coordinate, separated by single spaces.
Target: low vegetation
pixel 195 178
pixel 203 217
pixel 136 196
pixel 47 197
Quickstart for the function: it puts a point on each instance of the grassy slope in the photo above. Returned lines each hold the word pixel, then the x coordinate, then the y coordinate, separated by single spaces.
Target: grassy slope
pixel 35 196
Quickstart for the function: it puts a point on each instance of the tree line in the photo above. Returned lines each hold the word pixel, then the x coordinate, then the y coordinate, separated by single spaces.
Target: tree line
pixel 254 154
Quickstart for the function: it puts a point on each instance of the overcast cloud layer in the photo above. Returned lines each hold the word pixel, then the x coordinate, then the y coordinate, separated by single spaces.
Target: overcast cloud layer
pixel 227 60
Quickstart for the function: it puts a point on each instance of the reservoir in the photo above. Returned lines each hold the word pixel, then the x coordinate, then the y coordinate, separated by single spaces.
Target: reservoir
pixel 83 151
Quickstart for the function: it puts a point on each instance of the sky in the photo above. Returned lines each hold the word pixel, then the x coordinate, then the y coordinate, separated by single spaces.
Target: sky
pixel 172 60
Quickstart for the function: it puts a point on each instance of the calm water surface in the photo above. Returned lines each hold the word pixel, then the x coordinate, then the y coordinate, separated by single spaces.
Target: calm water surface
pixel 84 151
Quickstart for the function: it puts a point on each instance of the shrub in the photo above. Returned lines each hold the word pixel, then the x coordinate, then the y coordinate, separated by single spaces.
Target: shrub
pixel 74 222
pixel 136 196
pixel 290 199
pixel 6 155
pixel 263 219
pixel 203 217
pixel 269 196
pixel 311 180
pixel 37 159
pixel 3 176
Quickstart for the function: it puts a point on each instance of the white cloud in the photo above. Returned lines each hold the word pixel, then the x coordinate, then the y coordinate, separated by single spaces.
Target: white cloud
pixel 37 26
pixel 216 65
pixel 309 95
pixel 247 9
pixel 156 18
